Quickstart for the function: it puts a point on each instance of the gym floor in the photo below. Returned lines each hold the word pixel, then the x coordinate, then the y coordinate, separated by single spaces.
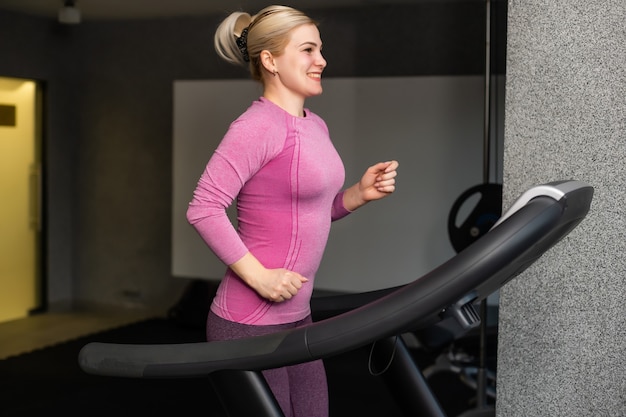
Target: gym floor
pixel 47 329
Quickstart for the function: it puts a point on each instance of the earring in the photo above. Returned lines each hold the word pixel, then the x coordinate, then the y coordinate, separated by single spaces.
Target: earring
pixel 274 72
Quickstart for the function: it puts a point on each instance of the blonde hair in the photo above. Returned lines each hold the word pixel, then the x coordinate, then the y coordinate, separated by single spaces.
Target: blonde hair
pixel 268 30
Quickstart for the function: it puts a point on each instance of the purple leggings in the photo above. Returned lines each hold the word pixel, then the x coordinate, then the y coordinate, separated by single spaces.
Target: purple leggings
pixel 301 390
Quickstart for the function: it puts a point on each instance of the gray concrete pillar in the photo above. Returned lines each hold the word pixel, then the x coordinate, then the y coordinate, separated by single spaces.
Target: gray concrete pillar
pixel 562 337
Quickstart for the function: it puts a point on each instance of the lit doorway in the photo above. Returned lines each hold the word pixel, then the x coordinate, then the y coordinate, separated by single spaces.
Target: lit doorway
pixel 20 196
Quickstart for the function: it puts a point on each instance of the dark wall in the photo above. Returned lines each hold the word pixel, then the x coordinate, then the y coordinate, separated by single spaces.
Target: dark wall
pixel 36 48
pixel 109 126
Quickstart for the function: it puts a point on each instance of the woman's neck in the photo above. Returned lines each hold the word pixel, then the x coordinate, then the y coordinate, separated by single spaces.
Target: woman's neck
pixel 288 102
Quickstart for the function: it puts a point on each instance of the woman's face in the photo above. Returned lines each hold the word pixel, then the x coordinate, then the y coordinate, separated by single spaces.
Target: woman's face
pixel 301 64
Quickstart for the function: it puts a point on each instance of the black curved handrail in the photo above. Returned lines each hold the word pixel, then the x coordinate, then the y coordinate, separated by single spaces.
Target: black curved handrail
pixel 537 221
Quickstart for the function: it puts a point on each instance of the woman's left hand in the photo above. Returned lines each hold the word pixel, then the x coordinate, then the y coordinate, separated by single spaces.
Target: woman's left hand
pixel 378 182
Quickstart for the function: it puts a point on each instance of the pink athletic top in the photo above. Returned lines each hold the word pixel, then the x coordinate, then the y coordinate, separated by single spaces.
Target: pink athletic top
pixel 286 176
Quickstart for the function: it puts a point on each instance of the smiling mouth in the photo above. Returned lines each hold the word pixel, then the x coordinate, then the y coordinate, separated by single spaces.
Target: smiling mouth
pixel 315 75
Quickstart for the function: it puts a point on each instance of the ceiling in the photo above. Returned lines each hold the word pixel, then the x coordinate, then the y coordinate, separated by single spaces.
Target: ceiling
pixel 147 9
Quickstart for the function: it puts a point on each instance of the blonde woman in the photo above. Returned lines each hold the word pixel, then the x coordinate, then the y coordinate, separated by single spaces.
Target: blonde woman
pixel 278 162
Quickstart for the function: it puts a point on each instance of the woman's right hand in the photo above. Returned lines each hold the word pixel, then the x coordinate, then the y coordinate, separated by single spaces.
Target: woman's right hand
pixel 279 285
pixel 276 285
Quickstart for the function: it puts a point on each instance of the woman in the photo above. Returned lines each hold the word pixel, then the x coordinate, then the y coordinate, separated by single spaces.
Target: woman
pixel 278 162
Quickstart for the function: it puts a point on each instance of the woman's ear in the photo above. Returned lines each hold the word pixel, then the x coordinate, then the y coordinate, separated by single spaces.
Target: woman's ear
pixel 267 60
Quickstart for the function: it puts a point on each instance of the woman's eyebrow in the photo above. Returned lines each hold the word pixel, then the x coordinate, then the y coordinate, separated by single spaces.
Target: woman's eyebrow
pixel 308 43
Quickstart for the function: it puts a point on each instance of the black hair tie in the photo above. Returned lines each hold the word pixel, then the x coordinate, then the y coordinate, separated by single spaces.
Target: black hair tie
pixel 242 44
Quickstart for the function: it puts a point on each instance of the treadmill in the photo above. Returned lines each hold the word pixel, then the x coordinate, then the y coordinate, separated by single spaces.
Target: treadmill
pixel 445 299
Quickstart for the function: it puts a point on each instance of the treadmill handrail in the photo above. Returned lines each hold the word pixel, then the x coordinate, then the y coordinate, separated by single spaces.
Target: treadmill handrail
pixel 490 262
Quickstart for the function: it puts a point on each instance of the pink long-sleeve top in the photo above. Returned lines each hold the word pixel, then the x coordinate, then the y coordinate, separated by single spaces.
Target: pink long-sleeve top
pixel 286 177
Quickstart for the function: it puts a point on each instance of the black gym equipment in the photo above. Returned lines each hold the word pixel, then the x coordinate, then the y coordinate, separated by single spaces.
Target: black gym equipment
pixel 446 298
pixel 481 218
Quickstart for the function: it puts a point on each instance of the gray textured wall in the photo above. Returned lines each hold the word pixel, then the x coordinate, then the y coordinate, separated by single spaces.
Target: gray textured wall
pixel 562 346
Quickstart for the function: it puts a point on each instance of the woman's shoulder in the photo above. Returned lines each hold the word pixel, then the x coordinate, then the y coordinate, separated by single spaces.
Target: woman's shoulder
pixel 258 130
pixel 263 115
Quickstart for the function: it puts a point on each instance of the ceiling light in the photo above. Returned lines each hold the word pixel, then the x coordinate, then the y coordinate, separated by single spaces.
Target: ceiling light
pixel 69 14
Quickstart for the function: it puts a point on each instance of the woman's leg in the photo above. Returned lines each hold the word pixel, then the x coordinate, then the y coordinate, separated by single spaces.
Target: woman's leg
pixel 301 390
pixel 309 389
pixel 278 381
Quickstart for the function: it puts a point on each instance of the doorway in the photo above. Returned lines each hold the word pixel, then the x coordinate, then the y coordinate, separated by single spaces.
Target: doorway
pixel 21 198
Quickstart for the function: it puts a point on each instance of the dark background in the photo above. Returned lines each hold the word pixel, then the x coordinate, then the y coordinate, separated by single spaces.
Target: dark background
pixel 107 128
